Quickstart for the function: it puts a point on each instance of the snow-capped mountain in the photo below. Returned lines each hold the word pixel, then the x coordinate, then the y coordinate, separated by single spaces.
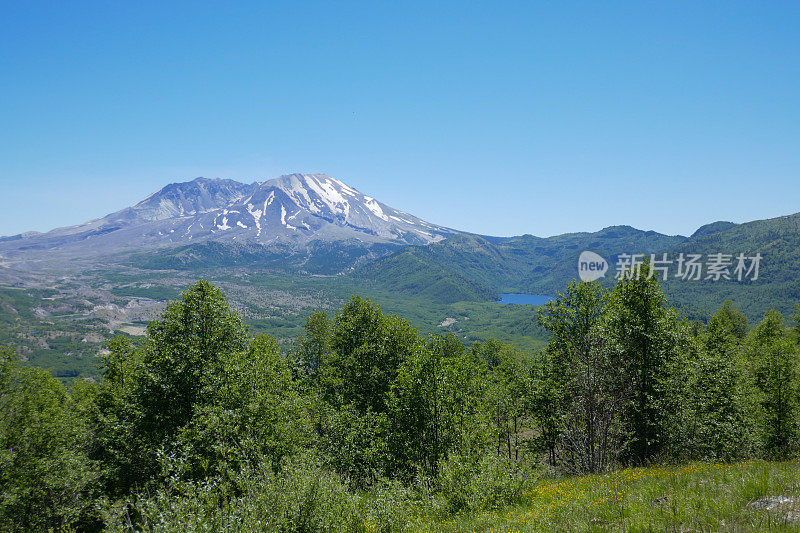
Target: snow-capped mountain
pixel 304 207
pixel 291 210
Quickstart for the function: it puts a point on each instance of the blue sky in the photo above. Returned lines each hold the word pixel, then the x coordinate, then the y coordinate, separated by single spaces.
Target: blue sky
pixel 494 117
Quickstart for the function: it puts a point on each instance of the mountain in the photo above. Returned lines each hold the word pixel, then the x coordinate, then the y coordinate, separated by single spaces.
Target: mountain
pixel 291 212
pixel 778 284
pixel 285 247
pixel 536 265
pixel 525 264
pixel 714 227
pixel 315 224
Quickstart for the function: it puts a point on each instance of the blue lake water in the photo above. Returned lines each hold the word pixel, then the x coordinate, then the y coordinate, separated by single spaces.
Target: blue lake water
pixel 531 299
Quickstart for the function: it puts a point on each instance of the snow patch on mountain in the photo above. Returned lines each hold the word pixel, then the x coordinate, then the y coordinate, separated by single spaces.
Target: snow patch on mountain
pixel 256 214
pixel 373 206
pixel 291 210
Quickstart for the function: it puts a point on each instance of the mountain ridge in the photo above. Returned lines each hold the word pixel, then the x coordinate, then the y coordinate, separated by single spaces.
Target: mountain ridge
pixel 316 224
pixel 292 209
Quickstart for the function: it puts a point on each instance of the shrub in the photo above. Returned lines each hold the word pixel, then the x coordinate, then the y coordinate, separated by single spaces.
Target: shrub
pixel 488 482
pixel 301 497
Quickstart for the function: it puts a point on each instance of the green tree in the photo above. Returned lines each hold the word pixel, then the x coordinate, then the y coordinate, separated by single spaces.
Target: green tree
pixel 47 480
pixel 110 413
pixel 367 350
pixel 506 389
pixel 252 410
pixel 153 391
pixel 731 319
pixel 313 347
pixel 186 352
pixel 718 422
pixel 543 402
pixel 435 406
pixel 585 379
pixel 774 359
pixel 644 333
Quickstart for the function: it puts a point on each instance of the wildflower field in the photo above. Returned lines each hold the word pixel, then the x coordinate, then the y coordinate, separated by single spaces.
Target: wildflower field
pixel 696 497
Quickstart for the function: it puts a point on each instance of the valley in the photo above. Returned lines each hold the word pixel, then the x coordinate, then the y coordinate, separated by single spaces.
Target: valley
pixel 67 292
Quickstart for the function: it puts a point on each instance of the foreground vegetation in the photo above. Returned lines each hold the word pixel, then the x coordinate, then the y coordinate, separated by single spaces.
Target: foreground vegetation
pixel 366 425
pixel 695 497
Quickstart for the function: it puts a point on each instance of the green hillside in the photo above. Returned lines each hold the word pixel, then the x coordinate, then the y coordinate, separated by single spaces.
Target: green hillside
pixel 535 265
pixel 524 264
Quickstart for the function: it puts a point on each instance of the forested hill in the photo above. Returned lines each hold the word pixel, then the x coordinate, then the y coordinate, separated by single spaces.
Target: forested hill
pixel 526 263
pixel 536 265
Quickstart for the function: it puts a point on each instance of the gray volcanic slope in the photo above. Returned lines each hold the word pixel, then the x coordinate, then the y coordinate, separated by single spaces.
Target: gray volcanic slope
pixel 292 210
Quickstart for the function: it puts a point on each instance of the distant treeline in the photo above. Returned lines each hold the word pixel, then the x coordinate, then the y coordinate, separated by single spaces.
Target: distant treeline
pixel 201 425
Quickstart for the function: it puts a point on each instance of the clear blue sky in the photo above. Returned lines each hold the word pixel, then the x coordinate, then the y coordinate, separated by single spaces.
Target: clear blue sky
pixel 493 117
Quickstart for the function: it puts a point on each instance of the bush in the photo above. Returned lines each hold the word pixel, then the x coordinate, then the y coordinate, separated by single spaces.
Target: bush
pixel 301 497
pixel 389 506
pixel 488 482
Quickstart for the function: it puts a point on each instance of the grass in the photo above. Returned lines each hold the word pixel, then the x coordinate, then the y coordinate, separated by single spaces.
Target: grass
pixel 697 497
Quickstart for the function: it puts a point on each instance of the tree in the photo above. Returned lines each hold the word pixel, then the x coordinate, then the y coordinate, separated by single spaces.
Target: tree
pixel 774 356
pixel 731 319
pixel 110 413
pixel 718 424
pixel 46 477
pixel 367 350
pixel 585 380
pixel 416 406
pixel 187 348
pixel 505 379
pixel 543 402
pixel 155 389
pixel 795 332
pixel 644 334
pixel 435 406
pixel 313 347
pixel 252 411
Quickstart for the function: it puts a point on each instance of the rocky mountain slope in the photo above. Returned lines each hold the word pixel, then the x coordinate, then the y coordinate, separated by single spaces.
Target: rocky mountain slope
pixel 287 212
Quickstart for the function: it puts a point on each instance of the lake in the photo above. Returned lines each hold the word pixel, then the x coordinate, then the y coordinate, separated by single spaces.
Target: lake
pixel 530 299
